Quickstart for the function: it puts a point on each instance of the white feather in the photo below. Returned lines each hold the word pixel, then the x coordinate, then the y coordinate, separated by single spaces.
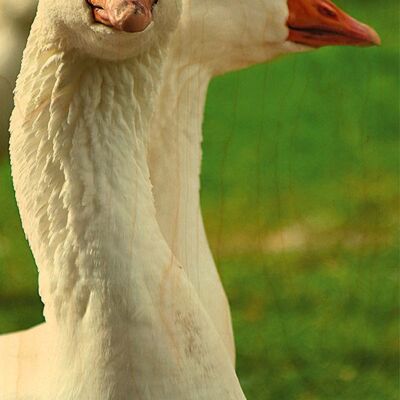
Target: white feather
pixel 122 319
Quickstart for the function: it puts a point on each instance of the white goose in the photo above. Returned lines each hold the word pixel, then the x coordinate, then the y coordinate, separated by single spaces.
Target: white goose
pixel 216 36
pixel 122 320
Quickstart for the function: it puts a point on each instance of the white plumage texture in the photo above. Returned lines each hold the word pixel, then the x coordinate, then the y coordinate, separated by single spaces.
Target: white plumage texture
pixel 214 36
pixel 108 192
pixel 122 319
pixel 79 151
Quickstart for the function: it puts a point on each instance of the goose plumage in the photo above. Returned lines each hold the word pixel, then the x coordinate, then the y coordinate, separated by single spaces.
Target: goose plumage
pixel 215 37
pixel 132 311
pixel 122 319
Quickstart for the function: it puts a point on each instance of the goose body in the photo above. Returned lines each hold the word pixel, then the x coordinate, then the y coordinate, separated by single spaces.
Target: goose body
pixel 122 319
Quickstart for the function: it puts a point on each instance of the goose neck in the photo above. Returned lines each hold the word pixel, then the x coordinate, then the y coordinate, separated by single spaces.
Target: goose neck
pixel 176 133
pixel 176 153
pixel 182 99
pixel 78 151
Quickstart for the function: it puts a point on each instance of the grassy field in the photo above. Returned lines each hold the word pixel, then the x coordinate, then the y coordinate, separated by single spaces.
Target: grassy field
pixel 300 196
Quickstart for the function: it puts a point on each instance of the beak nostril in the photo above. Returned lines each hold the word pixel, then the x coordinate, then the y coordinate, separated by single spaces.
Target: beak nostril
pixel 123 15
pixel 139 10
pixel 327 11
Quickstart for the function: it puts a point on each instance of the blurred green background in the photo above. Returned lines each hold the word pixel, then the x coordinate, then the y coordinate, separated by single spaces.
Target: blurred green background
pixel 301 201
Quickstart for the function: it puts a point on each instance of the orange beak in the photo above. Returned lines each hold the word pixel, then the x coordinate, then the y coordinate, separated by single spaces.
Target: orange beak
pixel 318 23
pixel 123 15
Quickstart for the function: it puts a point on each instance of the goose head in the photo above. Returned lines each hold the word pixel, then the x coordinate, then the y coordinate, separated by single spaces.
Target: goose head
pixel 237 33
pixel 108 29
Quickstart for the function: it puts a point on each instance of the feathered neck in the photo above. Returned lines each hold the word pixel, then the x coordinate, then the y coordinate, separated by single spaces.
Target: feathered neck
pixel 78 153
pixel 175 166
pixel 122 319
pixel 78 145
pixel 175 156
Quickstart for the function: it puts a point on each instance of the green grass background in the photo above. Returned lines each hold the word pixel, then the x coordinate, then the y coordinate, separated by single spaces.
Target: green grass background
pixel 300 195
